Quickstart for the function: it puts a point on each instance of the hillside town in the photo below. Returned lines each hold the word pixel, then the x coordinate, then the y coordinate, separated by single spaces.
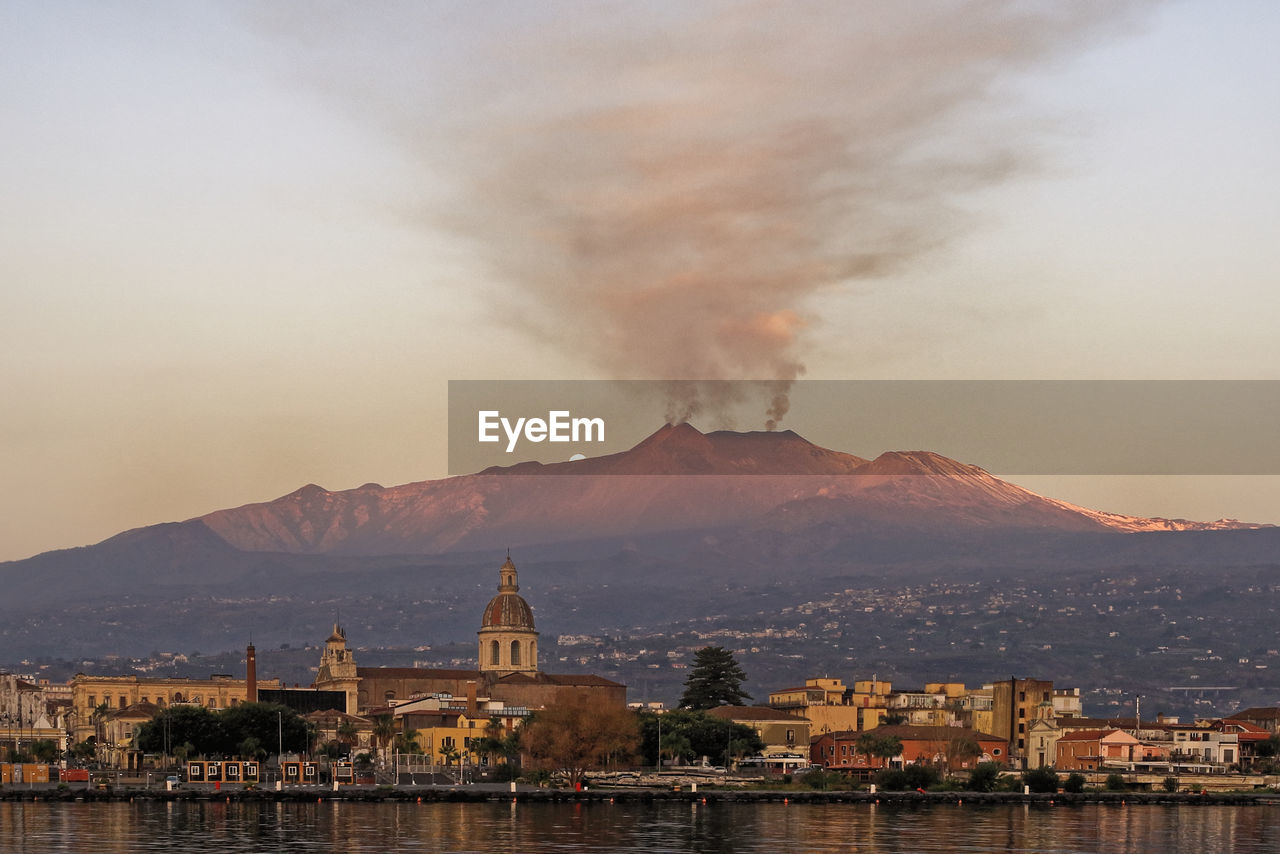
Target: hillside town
pixel 381 724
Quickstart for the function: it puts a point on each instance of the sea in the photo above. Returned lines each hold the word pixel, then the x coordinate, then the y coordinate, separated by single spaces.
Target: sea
pixel 353 827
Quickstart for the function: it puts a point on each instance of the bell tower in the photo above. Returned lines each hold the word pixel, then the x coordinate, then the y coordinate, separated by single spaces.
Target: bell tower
pixel 338 669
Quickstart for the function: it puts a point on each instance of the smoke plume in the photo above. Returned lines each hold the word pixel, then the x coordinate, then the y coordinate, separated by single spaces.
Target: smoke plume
pixel 669 190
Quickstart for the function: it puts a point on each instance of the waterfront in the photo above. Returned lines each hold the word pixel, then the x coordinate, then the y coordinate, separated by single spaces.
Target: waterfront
pixel 585 828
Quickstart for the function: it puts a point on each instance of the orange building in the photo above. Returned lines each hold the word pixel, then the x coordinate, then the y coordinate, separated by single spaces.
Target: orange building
pixel 931 745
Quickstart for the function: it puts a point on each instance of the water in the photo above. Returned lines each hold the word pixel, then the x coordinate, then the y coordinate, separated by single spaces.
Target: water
pixel 380 828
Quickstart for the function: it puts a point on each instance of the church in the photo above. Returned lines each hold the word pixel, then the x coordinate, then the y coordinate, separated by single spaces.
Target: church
pixel 507 665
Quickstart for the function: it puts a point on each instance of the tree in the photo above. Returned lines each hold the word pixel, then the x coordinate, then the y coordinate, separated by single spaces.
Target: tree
pixel 194 725
pixel 1074 783
pixel 492 744
pixel 578 733
pixel 45 750
pixel 885 747
pixel 911 777
pixel 984 776
pixel 84 751
pixel 1044 780
pixel 407 742
pixel 268 724
pixel 716 738
pixel 714 680
pixel 384 730
pixel 248 729
pixel 347 734
pixel 958 749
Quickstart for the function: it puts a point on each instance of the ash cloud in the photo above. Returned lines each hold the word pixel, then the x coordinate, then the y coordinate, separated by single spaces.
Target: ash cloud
pixel 669 191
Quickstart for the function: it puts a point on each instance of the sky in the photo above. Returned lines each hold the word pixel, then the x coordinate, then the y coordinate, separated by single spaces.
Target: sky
pixel 245 246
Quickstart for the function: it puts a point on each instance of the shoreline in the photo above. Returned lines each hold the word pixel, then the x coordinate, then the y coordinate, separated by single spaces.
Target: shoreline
pixel 610 796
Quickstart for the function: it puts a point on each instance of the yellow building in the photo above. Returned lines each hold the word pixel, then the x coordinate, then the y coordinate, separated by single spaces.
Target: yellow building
pixel 781 732
pixel 93 696
pixel 448 730
pixel 829 706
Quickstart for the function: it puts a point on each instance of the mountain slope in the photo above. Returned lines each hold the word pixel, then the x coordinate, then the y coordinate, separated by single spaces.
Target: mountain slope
pixel 676 479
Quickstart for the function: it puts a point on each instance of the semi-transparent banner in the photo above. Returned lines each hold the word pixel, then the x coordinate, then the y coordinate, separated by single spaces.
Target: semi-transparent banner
pixel 1113 427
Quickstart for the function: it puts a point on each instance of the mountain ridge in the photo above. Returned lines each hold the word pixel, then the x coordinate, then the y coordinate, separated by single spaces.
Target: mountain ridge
pixel 676 478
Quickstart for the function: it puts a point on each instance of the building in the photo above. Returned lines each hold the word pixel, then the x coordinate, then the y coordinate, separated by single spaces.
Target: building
pixel 1094 749
pixel 827 705
pixel 1042 743
pixel 781 732
pixel 507 665
pixel 94 696
pixel 1265 717
pixel 830 706
pixel 1015 703
pixel 947 747
pixel 31 711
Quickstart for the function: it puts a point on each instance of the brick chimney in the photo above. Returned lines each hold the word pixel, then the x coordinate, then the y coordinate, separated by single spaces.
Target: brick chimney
pixel 473 705
pixel 251 674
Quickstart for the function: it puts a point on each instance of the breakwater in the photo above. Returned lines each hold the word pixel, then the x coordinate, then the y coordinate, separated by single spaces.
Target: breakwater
pixel 464 794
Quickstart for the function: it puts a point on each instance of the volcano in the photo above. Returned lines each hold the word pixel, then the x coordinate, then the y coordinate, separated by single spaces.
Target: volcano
pixel 678 493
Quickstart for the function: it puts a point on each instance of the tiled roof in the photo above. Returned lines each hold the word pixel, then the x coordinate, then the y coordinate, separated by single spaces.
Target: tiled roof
pixel 932 733
pixel 415 673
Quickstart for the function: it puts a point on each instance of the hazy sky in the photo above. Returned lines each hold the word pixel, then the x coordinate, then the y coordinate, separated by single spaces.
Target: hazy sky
pixel 244 246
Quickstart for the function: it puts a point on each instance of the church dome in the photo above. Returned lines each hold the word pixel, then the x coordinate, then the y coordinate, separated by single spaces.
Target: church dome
pixel 507 610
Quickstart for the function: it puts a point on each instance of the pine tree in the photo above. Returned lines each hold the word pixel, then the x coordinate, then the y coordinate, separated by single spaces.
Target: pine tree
pixel 715 680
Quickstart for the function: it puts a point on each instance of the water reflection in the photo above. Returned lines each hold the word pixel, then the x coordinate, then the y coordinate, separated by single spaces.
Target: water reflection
pixel 505 826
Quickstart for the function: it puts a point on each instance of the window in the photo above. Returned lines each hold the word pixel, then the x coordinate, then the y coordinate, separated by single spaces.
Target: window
pixel 123 701
pixel 493 653
pixel 515 653
pixel 93 701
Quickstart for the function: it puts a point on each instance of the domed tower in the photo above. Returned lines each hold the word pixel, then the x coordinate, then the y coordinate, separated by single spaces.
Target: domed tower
pixel 508 642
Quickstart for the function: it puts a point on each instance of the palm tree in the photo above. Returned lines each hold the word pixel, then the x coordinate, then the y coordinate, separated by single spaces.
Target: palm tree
pixel 347 735
pixel 449 754
pixel 407 742
pixel 384 730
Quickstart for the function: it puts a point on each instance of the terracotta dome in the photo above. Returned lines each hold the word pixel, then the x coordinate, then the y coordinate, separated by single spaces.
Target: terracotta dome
pixel 507 610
